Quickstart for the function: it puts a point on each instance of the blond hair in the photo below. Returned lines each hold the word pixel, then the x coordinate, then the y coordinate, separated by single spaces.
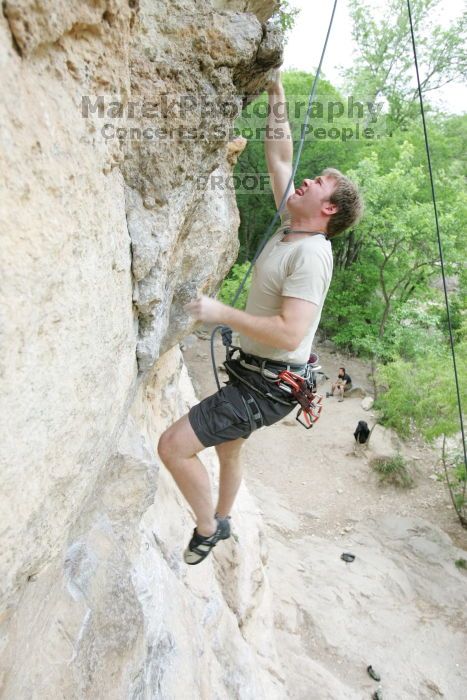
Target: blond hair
pixel 347 197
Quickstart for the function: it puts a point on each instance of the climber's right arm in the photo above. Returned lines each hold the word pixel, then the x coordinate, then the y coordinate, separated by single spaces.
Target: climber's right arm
pixel 278 140
pixel 285 330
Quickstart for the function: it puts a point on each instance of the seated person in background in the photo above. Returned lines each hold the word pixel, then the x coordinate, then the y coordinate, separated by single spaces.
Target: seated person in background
pixel 343 383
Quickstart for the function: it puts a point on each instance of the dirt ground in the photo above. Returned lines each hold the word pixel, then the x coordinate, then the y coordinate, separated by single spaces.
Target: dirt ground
pixel 401 604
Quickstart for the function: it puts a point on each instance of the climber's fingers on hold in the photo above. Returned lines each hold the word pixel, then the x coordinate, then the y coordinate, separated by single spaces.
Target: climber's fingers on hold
pixel 197 308
pixel 205 309
pixel 273 79
pixel 191 306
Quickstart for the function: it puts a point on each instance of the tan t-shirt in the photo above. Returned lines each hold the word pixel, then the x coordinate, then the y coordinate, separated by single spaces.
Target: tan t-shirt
pixel 301 268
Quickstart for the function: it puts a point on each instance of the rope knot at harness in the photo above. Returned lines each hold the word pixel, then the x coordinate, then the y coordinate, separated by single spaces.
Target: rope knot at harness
pixel 226 333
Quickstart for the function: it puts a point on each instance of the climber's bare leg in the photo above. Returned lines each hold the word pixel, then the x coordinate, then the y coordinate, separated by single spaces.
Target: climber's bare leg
pixel 177 448
pixel 230 474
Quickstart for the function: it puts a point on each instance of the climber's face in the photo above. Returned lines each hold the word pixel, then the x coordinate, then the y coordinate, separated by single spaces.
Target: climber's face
pixel 311 198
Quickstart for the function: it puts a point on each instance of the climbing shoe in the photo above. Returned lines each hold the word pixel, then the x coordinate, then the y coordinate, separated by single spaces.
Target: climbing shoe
pixel 200 546
pixel 227 519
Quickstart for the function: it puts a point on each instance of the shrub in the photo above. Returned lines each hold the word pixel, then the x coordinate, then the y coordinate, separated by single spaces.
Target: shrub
pixel 393 470
pixel 422 394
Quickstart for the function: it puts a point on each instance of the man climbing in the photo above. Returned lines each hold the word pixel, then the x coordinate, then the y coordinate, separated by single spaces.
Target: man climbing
pixel 290 281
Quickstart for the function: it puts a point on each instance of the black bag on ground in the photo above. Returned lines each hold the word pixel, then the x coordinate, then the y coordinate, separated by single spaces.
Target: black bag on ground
pixel 362 432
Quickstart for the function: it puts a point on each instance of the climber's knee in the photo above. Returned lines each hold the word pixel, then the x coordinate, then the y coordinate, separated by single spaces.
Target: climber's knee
pixel 178 441
pixel 163 446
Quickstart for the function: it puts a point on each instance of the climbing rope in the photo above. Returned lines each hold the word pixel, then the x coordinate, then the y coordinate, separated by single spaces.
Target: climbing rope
pixel 440 247
pixel 226 332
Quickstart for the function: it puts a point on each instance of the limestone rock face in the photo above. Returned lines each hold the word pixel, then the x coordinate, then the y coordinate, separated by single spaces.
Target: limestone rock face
pixel 110 223
pixel 191 71
pixel 263 9
pixel 118 610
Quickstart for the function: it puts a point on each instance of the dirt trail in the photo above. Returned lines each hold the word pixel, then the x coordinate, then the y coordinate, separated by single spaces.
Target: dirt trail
pixel 401 604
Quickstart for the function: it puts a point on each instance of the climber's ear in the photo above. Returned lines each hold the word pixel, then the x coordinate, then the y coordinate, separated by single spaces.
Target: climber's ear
pixel 329 208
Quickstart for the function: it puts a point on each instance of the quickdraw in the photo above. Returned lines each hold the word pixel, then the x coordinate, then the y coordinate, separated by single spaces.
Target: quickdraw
pixel 310 403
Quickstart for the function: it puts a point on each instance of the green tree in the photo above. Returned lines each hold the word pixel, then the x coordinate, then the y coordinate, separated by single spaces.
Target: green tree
pixel 285 16
pixel 398 254
pixel 384 64
pixel 421 395
pixel 421 398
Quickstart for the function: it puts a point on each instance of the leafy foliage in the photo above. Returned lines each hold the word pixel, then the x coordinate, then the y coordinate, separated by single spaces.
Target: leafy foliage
pixel 285 15
pixel 384 67
pixel 397 255
pixel 393 470
pixel 231 284
pixel 421 393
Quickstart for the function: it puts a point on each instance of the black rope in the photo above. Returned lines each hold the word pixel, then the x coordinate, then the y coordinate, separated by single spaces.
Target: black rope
pixel 440 247
pixel 284 197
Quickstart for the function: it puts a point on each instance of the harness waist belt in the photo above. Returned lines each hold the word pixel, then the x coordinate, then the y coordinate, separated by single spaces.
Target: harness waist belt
pixel 259 364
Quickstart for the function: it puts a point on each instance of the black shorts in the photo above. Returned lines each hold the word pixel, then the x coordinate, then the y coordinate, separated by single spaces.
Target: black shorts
pixel 225 416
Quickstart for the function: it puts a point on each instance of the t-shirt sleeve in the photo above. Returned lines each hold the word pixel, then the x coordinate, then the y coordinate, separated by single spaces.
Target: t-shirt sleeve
pixel 306 276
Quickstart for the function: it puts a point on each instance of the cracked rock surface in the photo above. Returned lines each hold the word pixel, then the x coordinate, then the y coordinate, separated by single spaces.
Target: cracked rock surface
pixel 115 114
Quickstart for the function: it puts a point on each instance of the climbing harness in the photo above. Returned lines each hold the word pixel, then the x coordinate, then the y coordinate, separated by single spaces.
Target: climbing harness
pixel 254 413
pixel 298 387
